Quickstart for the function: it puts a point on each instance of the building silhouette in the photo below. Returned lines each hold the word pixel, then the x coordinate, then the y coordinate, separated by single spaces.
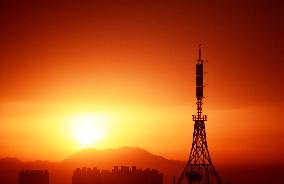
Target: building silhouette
pixel 122 175
pixel 33 177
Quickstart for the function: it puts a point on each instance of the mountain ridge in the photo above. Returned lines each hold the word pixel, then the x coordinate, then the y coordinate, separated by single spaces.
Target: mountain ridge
pixel 114 153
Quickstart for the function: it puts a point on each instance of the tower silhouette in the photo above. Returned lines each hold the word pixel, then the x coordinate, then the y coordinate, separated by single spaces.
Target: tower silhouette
pixel 199 168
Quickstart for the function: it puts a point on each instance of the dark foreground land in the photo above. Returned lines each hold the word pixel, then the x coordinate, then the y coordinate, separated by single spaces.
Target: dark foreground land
pixel 61 172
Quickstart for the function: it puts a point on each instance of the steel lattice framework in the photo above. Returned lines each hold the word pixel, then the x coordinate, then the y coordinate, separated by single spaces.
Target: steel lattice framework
pixel 199 168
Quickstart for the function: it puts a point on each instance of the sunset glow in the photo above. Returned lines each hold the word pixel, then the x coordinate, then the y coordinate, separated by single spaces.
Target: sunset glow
pixel 87 129
pixel 106 74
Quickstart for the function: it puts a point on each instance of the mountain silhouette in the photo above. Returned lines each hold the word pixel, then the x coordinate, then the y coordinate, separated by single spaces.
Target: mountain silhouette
pixel 129 156
pixel 106 159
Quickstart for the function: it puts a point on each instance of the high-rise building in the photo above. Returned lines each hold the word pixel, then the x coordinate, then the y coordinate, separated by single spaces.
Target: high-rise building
pixel 33 177
pixel 122 175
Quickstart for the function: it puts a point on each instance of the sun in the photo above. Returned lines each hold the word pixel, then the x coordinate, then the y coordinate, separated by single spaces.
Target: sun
pixel 87 129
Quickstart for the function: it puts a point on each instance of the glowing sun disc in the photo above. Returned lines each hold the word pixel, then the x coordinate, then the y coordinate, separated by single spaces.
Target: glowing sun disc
pixel 87 128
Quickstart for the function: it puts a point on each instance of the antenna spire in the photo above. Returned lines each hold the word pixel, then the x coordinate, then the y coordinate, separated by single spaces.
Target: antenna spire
pixel 199 168
pixel 199 53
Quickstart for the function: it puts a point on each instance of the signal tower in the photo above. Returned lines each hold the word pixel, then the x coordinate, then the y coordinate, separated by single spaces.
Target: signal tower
pixel 199 168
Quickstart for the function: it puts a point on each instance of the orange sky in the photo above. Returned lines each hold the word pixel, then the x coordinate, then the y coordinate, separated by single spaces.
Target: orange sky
pixel 133 63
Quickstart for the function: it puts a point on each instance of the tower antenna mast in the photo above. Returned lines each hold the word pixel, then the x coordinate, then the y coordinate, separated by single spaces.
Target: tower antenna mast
pixel 199 168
